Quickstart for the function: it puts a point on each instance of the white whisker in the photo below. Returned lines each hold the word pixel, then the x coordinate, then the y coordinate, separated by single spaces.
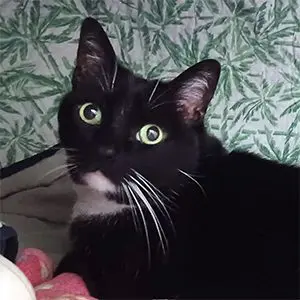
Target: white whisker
pixel 129 189
pixel 61 175
pixel 141 177
pixel 194 180
pixel 153 91
pixel 102 86
pixel 115 76
pixel 65 167
pixel 175 193
pixel 160 104
pixel 153 195
pixel 128 195
pixel 161 94
pixel 160 231
pixel 105 78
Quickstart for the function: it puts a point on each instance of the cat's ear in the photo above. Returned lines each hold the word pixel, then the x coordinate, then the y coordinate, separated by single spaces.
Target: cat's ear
pixel 96 59
pixel 194 88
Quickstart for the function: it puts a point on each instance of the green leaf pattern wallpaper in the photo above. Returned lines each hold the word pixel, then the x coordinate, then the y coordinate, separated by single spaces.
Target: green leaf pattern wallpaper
pixel 257 104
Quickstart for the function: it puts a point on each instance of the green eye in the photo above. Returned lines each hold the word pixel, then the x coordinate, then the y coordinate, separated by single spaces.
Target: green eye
pixel 150 134
pixel 90 114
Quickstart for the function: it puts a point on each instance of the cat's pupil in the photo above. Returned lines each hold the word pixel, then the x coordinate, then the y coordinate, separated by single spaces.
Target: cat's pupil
pixel 152 133
pixel 90 112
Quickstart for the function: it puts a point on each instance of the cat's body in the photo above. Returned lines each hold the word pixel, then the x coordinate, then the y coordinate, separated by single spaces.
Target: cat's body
pixel 164 211
pixel 241 241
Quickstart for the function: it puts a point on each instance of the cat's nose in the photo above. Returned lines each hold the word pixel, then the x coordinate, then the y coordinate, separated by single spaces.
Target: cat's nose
pixel 108 152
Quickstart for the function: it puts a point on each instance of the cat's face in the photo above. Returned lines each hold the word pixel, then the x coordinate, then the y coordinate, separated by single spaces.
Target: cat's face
pixel 122 129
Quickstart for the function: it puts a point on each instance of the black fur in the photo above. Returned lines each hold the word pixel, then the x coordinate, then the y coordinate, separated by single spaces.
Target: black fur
pixel 236 236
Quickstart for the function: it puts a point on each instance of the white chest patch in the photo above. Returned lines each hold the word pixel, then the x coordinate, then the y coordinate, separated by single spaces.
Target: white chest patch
pixel 92 199
pixel 98 182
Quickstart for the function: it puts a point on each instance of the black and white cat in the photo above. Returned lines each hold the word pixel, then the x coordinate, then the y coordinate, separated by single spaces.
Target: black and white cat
pixel 163 210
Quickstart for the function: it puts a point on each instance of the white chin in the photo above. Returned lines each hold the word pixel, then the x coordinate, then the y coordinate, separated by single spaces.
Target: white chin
pixel 97 181
pixel 92 199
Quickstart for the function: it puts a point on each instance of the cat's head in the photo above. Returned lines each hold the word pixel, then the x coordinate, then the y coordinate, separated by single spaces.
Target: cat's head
pixel 120 128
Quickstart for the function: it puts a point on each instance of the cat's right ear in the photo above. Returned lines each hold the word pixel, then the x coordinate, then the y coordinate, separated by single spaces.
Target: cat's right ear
pixel 96 59
pixel 194 89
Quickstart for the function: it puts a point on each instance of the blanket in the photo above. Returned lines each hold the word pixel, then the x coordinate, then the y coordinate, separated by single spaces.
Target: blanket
pixel 37 204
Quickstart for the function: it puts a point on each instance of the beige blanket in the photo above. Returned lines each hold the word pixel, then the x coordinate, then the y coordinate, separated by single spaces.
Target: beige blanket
pixel 38 205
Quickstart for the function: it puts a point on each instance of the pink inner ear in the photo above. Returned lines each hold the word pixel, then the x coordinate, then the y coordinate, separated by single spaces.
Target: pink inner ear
pixel 90 56
pixel 193 98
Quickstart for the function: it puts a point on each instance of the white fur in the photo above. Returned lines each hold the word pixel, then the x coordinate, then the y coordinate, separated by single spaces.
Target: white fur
pixel 92 200
pixel 95 50
pixel 99 182
pixel 195 88
pixel 191 94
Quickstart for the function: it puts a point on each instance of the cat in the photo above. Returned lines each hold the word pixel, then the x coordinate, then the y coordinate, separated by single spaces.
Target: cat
pixel 163 210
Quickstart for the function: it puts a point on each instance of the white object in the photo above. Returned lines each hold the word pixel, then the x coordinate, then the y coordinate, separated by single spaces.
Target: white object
pixel 13 283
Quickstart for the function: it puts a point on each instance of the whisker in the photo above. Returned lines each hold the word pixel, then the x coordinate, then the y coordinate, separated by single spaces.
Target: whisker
pixel 61 167
pixel 160 231
pixel 160 104
pixel 150 192
pixel 139 175
pixel 101 84
pixel 198 175
pixel 194 180
pixel 161 94
pixel 129 190
pixel 154 90
pixel 105 78
pixel 158 201
pixel 174 192
pixel 61 175
pixel 115 75
pixel 128 195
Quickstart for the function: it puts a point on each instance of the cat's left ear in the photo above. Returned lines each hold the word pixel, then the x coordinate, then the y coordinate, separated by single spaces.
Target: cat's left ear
pixel 194 89
pixel 96 59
